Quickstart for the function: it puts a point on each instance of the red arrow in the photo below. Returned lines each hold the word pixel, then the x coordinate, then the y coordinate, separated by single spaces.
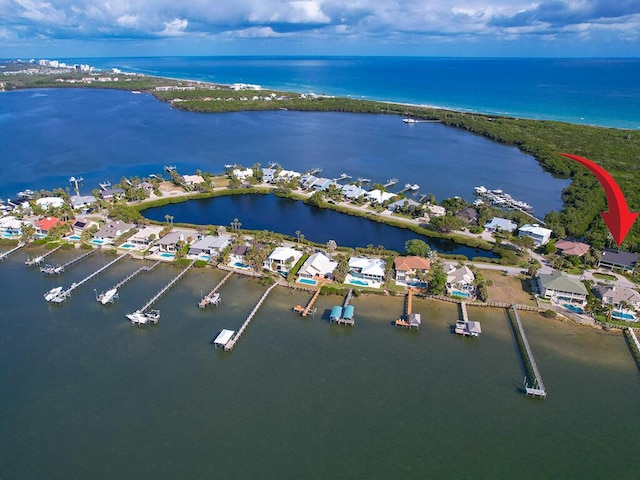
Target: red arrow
pixel 618 219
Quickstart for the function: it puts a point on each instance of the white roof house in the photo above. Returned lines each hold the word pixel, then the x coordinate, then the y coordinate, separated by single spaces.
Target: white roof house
pixel 193 179
pixel 113 229
pixel 539 234
pixel 242 174
pixel 371 268
pixel 319 265
pixel 379 196
pixel 459 278
pixel 500 224
pixel 436 210
pixel 143 238
pixel 46 202
pixel 10 226
pixel 210 244
pixel 282 259
pixel 287 175
pixel 82 201
pixel 353 191
pixel 268 174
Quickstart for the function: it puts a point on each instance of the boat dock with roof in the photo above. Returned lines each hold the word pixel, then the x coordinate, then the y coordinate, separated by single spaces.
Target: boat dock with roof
pixel 343 314
pixel 465 327
pixel 409 319
pixel 231 342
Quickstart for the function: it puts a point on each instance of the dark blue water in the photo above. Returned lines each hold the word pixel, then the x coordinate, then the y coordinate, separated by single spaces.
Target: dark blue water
pixel 47 136
pixel 603 92
pixel 268 212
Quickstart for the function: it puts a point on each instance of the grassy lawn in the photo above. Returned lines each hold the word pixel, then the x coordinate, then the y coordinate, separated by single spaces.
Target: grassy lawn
pixel 508 289
pixel 604 276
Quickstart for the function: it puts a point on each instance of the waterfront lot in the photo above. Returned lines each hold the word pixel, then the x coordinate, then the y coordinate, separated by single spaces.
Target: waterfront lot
pixel 508 289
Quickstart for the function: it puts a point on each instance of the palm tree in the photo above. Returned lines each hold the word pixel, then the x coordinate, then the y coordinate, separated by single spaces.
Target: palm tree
pixel 298 235
pixel 235 225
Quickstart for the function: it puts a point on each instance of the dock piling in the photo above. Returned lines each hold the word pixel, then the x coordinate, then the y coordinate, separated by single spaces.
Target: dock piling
pixel 537 389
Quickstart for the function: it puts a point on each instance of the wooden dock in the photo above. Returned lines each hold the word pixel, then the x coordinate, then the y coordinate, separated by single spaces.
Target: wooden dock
pixel 231 343
pixel 163 291
pixel 208 298
pixel 537 389
pixel 132 275
pixel 30 262
pixel 9 252
pixel 409 319
pixel 304 311
pixel 67 293
pixel 61 268
pixel 634 338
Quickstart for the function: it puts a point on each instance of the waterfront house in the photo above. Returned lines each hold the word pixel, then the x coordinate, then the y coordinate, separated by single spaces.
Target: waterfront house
pixel 404 203
pixel 560 288
pixel 282 259
pixel 193 180
pixel 378 196
pixel 460 280
pixel 50 202
pixel 623 261
pixel 367 268
pixel 539 234
pixel 436 210
pixel 617 295
pixel 497 224
pixel 112 193
pixel 353 191
pixel 322 184
pixel 318 265
pixel 569 248
pixel 286 175
pixel 82 202
pixel 147 187
pixel 10 226
pixel 173 241
pixel 44 225
pixel 145 237
pixel 469 215
pixel 410 268
pixel 112 230
pixel 238 255
pixel 268 174
pixel 210 245
pixel 242 174
pixel 307 180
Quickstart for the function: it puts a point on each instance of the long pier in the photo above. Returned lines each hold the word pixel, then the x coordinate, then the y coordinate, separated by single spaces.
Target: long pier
pixel 206 300
pixel 537 390
pixel 463 311
pixel 67 293
pixel 634 338
pixel 36 260
pixel 304 311
pixel 165 289
pixel 231 343
pixel 9 252
pixel 390 182
pixel 60 268
pixel 132 275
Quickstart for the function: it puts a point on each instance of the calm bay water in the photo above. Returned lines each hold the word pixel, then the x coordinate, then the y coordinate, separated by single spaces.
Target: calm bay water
pixel 85 395
pixel 288 216
pixel 97 398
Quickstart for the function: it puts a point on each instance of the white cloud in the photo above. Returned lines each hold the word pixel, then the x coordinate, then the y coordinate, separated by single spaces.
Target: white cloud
pixel 175 27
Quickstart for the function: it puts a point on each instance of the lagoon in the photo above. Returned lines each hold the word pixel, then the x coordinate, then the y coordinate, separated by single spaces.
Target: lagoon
pixel 283 215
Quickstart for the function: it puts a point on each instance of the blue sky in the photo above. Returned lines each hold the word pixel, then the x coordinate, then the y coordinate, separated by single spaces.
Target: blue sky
pixel 529 28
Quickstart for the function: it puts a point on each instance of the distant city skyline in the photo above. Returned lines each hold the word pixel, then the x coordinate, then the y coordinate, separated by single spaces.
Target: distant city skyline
pixel 508 28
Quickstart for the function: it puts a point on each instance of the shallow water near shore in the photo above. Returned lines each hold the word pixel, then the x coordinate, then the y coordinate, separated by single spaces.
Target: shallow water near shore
pixel 298 397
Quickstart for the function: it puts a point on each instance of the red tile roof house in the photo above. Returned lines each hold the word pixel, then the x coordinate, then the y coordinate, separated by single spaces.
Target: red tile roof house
pixel 44 225
pixel 569 248
pixel 407 268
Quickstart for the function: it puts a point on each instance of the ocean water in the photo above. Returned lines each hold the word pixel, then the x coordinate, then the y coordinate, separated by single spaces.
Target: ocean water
pixel 599 91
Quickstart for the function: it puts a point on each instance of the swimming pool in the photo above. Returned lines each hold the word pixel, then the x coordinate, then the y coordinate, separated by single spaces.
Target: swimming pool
pixel 361 283
pixel 74 237
pixel 240 265
pixel 622 315
pixel 98 241
pixel 307 281
pixel 573 308
pixel 168 255
pixel 458 293
pixel 127 246
pixel 206 258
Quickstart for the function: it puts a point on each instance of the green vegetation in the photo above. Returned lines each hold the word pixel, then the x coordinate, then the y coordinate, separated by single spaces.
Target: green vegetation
pixel 605 276
pixel 618 151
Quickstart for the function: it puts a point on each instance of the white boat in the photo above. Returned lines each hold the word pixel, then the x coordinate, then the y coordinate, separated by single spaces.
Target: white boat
pixel 141 318
pixel 408 120
pixel 415 187
pixel 26 194
pixel 51 270
pixel 34 261
pixel 108 297
pixel 481 189
pixel 53 293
